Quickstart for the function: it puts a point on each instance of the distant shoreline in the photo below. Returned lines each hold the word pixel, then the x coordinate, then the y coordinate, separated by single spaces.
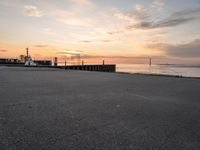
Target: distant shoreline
pixel 180 65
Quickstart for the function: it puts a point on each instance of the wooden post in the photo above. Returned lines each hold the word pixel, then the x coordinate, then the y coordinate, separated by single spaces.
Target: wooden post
pixel 55 61
pixel 65 64
pixel 150 62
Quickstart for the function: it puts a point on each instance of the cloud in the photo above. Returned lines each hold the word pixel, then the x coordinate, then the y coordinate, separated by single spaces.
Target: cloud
pixel 191 49
pixel 70 52
pixel 73 18
pixel 135 15
pixel 86 56
pixel 139 8
pixel 175 19
pixel 159 5
pixel 85 41
pixel 141 20
pixel 115 32
pixel 40 46
pixel 169 22
pixel 187 12
pixel 94 41
pixel 115 57
pixel 82 2
pixel 33 11
pixel 3 50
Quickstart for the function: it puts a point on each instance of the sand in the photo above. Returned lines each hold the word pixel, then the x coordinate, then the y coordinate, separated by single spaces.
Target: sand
pixel 76 110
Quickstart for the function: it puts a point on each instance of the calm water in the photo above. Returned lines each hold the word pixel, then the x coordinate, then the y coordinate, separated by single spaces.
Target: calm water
pixel 180 70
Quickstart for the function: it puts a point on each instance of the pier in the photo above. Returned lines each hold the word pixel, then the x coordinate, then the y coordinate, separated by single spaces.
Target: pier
pixel 99 68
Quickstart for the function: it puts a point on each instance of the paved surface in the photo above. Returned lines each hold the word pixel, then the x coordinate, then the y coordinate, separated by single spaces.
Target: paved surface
pixel 56 109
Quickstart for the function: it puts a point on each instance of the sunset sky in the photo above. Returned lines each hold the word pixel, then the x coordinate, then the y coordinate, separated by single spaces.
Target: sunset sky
pixel 120 31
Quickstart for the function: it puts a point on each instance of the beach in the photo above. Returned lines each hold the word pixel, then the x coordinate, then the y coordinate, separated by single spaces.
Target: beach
pixel 44 108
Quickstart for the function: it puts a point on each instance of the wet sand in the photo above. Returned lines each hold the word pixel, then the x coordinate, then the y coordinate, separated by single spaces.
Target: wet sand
pixel 76 110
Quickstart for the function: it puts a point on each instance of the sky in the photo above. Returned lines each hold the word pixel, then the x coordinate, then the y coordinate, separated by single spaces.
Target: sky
pixel 119 31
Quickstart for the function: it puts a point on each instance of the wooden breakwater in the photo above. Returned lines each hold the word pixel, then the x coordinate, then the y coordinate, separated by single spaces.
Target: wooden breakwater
pixel 100 68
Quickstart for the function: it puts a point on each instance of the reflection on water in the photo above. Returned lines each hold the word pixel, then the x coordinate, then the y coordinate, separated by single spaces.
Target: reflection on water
pixel 178 70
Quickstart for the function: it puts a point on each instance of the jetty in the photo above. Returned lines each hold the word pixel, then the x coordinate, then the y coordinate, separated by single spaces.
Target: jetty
pixel 99 68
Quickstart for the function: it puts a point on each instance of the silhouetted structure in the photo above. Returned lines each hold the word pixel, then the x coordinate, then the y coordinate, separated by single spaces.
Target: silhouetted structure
pixel 22 58
pixel 150 61
pixel 27 53
pixel 55 61
pixel 9 61
pixel 43 62
pixel 100 68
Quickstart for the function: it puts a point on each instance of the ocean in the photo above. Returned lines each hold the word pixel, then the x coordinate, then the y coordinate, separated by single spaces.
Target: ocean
pixel 175 70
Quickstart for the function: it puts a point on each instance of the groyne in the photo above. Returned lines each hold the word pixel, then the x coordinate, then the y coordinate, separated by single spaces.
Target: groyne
pixel 100 68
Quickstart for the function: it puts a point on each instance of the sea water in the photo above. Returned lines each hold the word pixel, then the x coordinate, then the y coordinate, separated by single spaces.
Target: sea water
pixel 174 70
pixel 177 70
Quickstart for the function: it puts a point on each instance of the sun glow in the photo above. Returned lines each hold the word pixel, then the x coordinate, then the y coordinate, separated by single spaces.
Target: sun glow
pixel 98 30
